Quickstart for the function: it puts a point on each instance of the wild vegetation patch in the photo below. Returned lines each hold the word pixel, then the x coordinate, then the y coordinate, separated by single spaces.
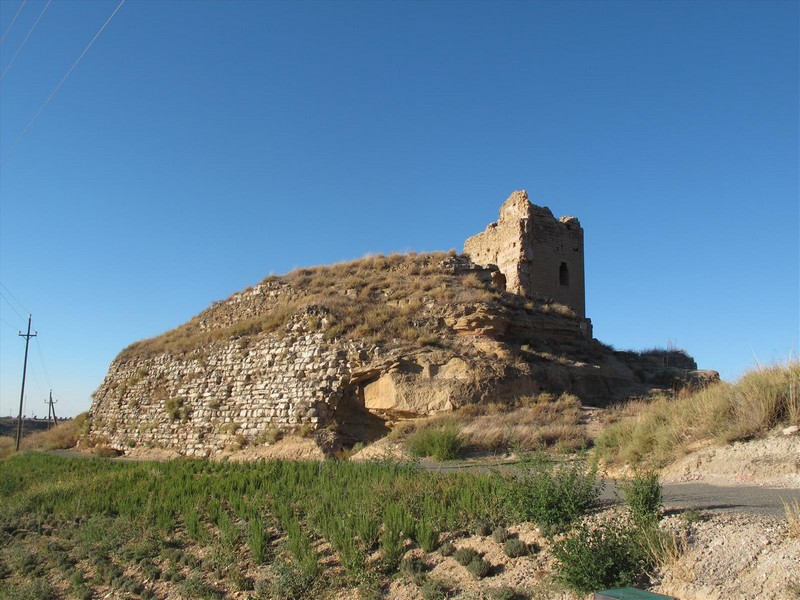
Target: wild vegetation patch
pixel 63 435
pixel 204 529
pixel 653 433
pixel 395 300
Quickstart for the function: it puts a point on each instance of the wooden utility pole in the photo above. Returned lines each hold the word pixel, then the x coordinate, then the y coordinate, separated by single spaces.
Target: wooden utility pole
pixel 51 409
pixel 27 337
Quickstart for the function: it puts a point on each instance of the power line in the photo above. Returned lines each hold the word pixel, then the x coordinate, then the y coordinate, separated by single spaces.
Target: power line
pixel 60 83
pixel 11 305
pixel 44 368
pixel 14 20
pixel 22 306
pixel 9 324
pixel 22 45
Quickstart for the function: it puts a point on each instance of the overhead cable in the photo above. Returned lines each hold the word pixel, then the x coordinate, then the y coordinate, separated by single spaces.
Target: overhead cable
pixel 14 20
pixel 11 305
pixel 10 293
pixel 22 45
pixel 44 368
pixel 9 324
pixel 60 83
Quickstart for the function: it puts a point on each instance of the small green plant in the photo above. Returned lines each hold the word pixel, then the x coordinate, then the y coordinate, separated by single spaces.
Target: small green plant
pixel 643 497
pixel 504 593
pixel 482 527
pixel 515 547
pixel 434 589
pixel 442 443
pixel 691 515
pixel 447 549
pixel 176 409
pixel 427 536
pixel 289 581
pixel 594 557
pixel 479 568
pixel 555 496
pixel 413 568
pixel 500 534
pixel 464 556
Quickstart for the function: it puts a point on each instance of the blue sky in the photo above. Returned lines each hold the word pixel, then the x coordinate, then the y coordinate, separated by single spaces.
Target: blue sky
pixel 198 147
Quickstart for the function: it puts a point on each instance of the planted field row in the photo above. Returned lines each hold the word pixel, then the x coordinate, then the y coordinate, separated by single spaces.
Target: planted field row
pixel 83 527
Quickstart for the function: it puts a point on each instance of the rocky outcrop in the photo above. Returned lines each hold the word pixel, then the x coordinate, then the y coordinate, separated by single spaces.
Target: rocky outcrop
pixel 354 345
pixel 220 382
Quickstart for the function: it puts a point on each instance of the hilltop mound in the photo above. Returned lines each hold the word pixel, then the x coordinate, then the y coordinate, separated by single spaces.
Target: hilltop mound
pixel 353 346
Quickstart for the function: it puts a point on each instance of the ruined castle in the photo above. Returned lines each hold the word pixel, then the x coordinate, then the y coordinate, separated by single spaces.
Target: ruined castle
pixel 539 256
pixel 356 346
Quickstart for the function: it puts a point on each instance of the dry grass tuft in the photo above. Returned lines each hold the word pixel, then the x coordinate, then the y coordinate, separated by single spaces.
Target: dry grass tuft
pixel 392 300
pixel 63 435
pixel 532 423
pixel 656 432
pixel 528 424
pixel 792 509
pixel 378 299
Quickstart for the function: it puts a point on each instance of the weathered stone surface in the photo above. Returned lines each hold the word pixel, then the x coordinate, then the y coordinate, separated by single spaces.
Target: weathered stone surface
pixel 273 357
pixel 540 256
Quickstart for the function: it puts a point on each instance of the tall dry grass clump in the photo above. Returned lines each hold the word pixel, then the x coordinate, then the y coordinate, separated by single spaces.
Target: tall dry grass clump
pixel 530 423
pixel 792 510
pixel 63 435
pixel 656 432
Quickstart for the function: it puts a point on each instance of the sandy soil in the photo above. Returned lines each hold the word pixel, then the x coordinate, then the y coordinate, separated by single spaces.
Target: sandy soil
pixel 773 461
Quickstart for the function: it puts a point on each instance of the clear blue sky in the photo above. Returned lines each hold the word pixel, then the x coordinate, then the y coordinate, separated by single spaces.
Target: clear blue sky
pixel 198 147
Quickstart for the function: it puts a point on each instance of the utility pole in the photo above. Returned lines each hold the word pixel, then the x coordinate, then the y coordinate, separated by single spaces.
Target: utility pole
pixel 51 409
pixel 27 337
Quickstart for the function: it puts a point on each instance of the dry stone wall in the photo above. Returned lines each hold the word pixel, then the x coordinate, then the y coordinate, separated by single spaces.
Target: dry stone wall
pixel 221 396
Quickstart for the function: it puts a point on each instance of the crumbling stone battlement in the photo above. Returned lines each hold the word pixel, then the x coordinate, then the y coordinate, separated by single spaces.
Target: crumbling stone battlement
pixel 539 255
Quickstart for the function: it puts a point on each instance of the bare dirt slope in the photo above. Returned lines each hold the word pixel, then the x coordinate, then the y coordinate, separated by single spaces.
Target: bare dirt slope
pixel 773 461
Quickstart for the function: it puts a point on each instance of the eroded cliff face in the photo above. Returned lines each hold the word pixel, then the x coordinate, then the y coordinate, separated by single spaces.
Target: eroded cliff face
pixel 350 347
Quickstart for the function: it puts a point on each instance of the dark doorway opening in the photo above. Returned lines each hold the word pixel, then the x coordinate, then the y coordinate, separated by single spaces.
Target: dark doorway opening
pixel 563 274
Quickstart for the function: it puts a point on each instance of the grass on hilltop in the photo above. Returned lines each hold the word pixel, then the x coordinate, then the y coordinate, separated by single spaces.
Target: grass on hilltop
pixel 397 299
pixel 657 432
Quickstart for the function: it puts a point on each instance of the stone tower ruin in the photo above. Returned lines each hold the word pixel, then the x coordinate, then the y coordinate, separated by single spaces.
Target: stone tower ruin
pixel 540 256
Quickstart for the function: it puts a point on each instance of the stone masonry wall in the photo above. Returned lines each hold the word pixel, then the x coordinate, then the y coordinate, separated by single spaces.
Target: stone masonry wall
pixel 539 255
pixel 204 403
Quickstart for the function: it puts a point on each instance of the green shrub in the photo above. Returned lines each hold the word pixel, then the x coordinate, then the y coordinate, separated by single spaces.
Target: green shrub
pixel 258 541
pixel 289 581
pixel 482 527
pixel 643 497
pixel 596 557
pixel 555 496
pixel 500 534
pixel 392 548
pixel 427 536
pixel 447 549
pixel 442 443
pixel 434 589
pixel 504 593
pixel 464 556
pixel 479 568
pixel 413 568
pixel 690 515
pixel 514 548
